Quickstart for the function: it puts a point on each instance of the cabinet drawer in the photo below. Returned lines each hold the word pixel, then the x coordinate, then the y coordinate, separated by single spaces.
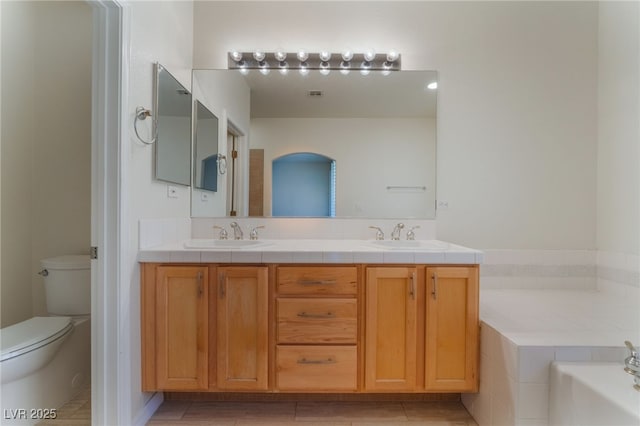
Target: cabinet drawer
pixel 341 280
pixel 317 320
pixel 316 368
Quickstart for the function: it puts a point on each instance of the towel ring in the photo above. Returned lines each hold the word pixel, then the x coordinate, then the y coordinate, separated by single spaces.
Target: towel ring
pixel 141 115
pixel 222 164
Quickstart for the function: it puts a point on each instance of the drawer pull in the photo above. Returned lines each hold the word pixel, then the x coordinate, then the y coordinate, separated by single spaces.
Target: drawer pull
pixel 316 361
pixel 317 282
pixel 308 315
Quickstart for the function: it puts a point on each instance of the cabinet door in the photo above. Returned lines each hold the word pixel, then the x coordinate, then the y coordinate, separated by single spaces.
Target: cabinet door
pixel 242 327
pixel 390 336
pixel 451 357
pixel 181 327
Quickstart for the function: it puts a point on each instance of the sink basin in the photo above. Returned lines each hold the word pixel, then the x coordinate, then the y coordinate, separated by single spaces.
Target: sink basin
pixel 410 245
pixel 210 244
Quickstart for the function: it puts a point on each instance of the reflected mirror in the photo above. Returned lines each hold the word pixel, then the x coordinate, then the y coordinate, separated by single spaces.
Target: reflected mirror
pixel 205 149
pixel 173 129
pixel 379 132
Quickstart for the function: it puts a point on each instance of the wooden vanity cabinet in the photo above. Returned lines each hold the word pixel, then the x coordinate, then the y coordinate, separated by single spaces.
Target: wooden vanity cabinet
pixel 242 327
pixel 451 331
pixel 175 328
pixel 421 329
pixel 391 320
pixel 316 328
pixel 313 328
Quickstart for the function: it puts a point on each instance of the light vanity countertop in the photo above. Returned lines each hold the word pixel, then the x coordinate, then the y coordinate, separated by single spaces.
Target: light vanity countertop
pixel 311 251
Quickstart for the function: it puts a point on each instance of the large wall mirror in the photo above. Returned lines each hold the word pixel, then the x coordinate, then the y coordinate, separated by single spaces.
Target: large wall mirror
pixel 375 132
pixel 173 129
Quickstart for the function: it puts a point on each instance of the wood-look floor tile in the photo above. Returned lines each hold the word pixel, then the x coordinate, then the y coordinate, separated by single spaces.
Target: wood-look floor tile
pixel 450 412
pixel 291 423
pixel 182 422
pixel 171 410
pixel 411 423
pixel 267 411
pixel 351 411
pixel 66 422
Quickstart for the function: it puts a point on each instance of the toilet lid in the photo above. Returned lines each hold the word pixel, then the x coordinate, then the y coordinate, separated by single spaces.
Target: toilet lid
pixel 31 334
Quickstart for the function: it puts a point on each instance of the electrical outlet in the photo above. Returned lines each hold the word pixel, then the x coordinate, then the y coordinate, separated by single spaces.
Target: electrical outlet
pixel 204 196
pixel 442 205
pixel 172 191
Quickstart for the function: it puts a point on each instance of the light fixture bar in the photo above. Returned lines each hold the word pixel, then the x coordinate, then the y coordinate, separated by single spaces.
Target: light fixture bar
pixel 315 61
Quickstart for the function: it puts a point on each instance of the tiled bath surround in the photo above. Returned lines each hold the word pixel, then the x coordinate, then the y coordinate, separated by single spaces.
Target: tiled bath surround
pixel 524 331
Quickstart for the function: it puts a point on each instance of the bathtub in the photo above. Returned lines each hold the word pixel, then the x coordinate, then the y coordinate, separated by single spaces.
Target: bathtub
pixel 591 393
pixel 523 331
pixel 37 396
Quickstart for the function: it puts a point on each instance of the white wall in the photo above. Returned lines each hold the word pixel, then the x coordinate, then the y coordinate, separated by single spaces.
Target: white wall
pixel 517 101
pixel 370 155
pixel 159 32
pixel 619 127
pixel 46 145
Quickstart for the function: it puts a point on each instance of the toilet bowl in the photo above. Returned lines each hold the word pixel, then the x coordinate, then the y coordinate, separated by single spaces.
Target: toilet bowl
pixel 44 361
pixel 30 345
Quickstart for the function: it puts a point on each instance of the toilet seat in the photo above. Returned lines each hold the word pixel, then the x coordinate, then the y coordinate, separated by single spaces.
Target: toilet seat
pixel 32 334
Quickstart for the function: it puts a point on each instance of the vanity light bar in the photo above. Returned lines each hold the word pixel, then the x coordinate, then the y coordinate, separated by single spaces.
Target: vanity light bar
pixel 323 61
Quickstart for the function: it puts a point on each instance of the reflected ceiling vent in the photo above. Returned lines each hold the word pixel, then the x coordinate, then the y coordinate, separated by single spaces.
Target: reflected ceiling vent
pixel 315 93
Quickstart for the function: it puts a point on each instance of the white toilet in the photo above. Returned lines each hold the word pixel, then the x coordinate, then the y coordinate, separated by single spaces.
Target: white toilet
pixel 44 361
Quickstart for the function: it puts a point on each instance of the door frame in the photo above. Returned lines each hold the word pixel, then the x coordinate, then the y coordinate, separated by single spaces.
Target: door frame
pixel 108 215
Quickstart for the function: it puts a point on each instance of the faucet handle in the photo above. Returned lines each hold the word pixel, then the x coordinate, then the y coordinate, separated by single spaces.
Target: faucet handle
pixel 410 234
pixel 379 233
pixel 223 232
pixel 631 348
pixel 253 235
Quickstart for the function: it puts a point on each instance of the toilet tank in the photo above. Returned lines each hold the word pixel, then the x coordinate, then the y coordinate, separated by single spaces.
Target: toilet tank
pixel 67 284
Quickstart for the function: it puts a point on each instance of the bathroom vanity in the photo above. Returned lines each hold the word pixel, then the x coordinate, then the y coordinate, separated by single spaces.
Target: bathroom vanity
pixel 402 321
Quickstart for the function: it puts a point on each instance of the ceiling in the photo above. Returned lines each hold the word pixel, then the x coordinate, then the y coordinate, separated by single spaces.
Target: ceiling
pixel 399 94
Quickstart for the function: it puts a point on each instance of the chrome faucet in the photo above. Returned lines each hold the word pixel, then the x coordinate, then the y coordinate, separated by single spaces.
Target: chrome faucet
pixel 237 232
pixel 253 235
pixel 411 235
pixel 395 234
pixel 223 232
pixel 379 233
pixel 632 365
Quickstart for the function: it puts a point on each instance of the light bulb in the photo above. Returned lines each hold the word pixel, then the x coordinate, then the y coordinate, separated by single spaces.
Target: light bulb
pixel 365 68
pixel 324 68
pixel 325 56
pixel 432 85
pixel 302 55
pixel 236 56
pixel 347 55
pixel 280 55
pixel 258 55
pixel 392 56
pixel 369 55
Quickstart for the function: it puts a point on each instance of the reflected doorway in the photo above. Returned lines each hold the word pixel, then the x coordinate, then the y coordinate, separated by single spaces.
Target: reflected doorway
pixel 304 184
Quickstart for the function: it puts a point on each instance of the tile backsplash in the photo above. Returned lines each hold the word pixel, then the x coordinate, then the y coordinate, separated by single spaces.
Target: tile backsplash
pixel 313 228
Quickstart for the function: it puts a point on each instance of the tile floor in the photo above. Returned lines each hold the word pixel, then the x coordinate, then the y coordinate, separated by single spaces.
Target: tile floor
pixel 226 413
pixel 76 412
